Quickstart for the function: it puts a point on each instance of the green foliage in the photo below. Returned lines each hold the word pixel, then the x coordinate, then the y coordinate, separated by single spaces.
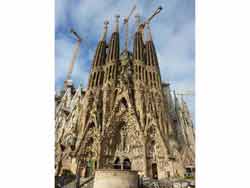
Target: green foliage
pixel 190 177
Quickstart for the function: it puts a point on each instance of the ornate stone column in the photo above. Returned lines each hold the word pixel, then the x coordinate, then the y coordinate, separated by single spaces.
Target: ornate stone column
pixel 145 156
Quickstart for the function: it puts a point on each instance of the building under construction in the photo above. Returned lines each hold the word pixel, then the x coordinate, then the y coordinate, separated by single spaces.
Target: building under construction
pixel 126 119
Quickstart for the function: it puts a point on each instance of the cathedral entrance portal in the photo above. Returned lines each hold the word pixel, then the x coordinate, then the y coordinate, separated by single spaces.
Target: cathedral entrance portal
pixel 126 164
pixel 117 164
pixel 154 171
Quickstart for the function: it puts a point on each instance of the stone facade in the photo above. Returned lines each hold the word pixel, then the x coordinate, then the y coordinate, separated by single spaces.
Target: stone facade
pixel 126 118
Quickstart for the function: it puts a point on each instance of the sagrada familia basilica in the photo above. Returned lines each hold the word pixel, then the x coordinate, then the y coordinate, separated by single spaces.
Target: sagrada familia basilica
pixel 127 118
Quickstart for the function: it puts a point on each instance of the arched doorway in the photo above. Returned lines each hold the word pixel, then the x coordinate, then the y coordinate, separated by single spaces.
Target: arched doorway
pixel 124 102
pixel 117 163
pixel 91 125
pixel 154 171
pixel 126 164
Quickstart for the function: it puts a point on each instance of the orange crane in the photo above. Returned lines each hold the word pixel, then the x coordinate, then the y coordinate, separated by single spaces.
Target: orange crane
pixel 75 54
pixel 126 19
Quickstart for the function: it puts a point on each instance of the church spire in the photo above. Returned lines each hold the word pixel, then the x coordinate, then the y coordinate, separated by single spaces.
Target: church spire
pixel 100 53
pixel 149 34
pixel 137 20
pixel 117 23
pixel 138 50
pixel 114 46
pixel 96 75
pixel 151 57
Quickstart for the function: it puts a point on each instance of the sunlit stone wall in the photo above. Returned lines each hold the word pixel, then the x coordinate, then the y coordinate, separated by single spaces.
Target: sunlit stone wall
pixel 115 179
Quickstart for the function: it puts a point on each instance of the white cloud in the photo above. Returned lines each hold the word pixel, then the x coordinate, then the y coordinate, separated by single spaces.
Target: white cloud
pixel 63 53
pixel 60 12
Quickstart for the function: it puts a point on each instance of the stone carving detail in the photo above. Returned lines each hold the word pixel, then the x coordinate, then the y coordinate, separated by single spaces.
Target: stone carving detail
pixel 124 113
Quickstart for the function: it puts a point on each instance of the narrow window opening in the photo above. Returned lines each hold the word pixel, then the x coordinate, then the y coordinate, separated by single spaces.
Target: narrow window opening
pixel 136 72
pixel 150 74
pixel 143 74
pixel 101 80
pixel 92 84
pixel 113 75
pixel 154 80
pixel 96 82
pixel 139 72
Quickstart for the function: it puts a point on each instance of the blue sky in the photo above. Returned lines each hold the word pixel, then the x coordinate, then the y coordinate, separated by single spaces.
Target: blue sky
pixel 173 33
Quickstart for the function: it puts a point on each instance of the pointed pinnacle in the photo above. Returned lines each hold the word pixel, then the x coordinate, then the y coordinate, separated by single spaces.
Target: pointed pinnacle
pixel 117 23
pixel 104 35
pixel 81 84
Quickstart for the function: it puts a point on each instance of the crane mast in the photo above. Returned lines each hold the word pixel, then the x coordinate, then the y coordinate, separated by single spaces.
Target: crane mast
pixel 75 53
pixel 126 19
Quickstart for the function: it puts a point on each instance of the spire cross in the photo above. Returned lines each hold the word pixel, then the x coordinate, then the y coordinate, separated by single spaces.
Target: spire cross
pixel 103 38
pixel 137 17
pixel 117 23
pixel 106 22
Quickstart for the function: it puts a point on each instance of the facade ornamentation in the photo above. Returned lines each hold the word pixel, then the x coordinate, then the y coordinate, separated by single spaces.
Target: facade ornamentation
pixel 126 118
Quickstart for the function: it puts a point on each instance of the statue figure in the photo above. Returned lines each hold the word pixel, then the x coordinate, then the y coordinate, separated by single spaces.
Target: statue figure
pixel 123 135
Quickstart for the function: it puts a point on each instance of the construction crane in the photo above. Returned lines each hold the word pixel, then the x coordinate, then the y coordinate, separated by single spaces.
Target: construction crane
pixel 75 54
pixel 184 93
pixel 157 11
pixel 183 103
pixel 126 19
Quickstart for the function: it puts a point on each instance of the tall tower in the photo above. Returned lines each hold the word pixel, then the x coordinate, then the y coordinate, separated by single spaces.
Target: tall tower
pixel 123 121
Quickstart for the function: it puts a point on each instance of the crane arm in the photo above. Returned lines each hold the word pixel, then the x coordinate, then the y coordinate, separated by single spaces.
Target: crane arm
pixel 131 12
pixel 75 53
pixel 185 93
pixel 126 26
pixel 78 38
pixel 157 11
